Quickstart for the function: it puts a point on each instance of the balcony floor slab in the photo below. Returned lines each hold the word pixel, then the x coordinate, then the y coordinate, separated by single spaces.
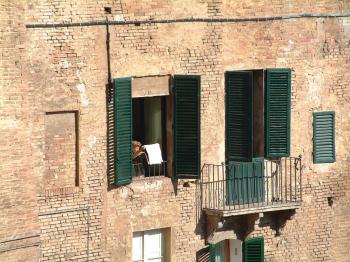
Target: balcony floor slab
pixel 237 210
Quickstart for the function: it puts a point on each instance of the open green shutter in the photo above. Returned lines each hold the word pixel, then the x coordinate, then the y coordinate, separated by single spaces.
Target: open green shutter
pixel 212 253
pixel 187 127
pixel 238 116
pixel 324 139
pixel 277 112
pixel 253 250
pixel 122 131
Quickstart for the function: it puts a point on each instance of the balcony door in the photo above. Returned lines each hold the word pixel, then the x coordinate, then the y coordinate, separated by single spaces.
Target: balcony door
pixel 245 172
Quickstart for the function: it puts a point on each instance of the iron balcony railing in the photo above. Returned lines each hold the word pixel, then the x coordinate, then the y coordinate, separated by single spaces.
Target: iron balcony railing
pixel 260 183
pixel 144 170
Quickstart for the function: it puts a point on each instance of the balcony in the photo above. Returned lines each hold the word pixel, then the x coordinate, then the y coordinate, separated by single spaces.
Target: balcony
pixel 259 186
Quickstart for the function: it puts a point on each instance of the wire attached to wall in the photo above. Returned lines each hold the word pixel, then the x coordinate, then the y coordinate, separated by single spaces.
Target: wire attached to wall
pixel 189 20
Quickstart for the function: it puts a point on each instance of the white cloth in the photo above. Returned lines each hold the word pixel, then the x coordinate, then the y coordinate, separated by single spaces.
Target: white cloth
pixel 154 154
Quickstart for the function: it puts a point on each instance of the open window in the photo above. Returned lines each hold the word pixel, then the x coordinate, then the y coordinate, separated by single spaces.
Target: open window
pixel 156 131
pixel 257 114
pixel 150 116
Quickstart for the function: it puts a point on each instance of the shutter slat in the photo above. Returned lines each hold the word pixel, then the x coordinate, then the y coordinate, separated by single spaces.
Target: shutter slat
pixel 324 140
pixel 277 113
pixel 212 252
pixel 122 131
pixel 238 115
pixel 187 127
pixel 253 250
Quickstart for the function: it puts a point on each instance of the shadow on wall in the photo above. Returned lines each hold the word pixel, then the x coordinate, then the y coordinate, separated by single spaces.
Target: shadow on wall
pixel 110 138
pixel 200 217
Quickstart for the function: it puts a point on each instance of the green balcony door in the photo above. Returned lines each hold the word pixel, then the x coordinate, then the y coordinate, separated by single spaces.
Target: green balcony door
pixel 245 182
pixel 245 174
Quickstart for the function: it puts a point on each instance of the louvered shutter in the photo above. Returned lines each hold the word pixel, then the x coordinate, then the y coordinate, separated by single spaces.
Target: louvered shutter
pixel 245 182
pixel 122 131
pixel 253 250
pixel 277 112
pixel 324 138
pixel 187 127
pixel 238 116
pixel 212 252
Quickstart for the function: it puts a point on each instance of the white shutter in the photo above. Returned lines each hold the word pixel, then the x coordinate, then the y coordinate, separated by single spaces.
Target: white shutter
pixel 154 246
pixel 235 250
pixel 137 247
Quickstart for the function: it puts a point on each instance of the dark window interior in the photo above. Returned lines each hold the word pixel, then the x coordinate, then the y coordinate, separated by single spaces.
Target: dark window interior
pixel 149 121
pixel 258 113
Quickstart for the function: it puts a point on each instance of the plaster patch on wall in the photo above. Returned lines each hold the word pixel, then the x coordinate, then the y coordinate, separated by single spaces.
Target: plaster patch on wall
pixel 281 62
pixel 91 141
pixel 288 47
pixel 119 18
pixel 145 211
pixel 149 185
pixel 124 193
pixel 323 168
pixel 315 84
pixel 82 91
pixel 8 123
pixel 345 22
pixel 65 64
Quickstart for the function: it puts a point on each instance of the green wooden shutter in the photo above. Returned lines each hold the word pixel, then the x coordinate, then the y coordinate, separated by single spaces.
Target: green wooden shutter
pixel 122 131
pixel 324 138
pixel 245 182
pixel 253 250
pixel 238 116
pixel 257 185
pixel 277 112
pixel 187 151
pixel 212 253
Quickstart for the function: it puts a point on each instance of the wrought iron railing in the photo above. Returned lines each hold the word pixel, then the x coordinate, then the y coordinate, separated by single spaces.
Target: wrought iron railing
pixel 144 170
pixel 260 183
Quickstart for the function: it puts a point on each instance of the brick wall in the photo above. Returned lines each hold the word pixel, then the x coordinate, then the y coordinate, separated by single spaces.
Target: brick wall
pixel 60 150
pixel 65 69
pixel 18 158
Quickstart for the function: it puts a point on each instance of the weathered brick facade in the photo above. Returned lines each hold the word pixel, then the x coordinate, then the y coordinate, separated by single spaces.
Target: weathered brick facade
pixel 58 201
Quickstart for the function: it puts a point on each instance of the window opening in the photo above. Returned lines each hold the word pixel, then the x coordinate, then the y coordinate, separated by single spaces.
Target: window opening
pixel 149 128
pixel 149 246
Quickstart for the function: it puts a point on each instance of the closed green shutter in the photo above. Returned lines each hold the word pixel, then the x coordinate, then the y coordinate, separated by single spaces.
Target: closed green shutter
pixel 324 139
pixel 122 131
pixel 277 112
pixel 212 253
pixel 187 127
pixel 253 250
pixel 238 116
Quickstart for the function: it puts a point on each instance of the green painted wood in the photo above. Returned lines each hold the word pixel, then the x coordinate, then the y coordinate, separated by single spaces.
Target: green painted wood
pixel 238 114
pixel 187 153
pixel 277 112
pixel 212 252
pixel 245 182
pixel 122 131
pixel 323 137
pixel 253 250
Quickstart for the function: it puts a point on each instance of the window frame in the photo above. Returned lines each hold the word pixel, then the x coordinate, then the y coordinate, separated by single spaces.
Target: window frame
pixel 145 234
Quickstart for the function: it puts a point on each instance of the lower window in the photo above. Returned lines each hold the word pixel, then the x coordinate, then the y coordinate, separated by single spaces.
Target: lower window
pixel 149 246
pixel 232 250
